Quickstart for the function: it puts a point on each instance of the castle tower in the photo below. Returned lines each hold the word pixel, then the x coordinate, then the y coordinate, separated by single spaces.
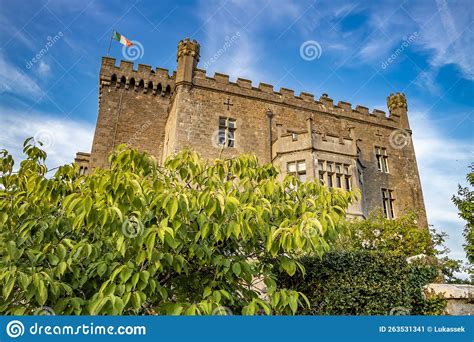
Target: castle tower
pixel 187 58
pixel 397 106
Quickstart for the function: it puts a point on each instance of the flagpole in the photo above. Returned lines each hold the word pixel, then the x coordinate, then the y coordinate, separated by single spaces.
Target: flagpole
pixel 110 43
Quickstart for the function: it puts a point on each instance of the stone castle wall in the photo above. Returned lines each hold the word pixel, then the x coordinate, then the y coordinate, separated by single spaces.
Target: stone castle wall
pixel 187 115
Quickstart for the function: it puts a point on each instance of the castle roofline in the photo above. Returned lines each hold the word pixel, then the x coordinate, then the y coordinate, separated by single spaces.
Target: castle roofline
pixel 263 90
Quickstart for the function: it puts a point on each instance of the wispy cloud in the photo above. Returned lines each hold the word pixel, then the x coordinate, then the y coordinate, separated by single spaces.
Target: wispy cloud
pixel 443 163
pixel 62 138
pixel 248 18
pixel 14 80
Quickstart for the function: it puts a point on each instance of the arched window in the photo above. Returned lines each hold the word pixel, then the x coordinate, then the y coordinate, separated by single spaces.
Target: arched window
pixel 141 85
pixel 113 80
pixel 150 87
pixel 132 84
pixel 168 90
pixel 159 88
pixel 123 80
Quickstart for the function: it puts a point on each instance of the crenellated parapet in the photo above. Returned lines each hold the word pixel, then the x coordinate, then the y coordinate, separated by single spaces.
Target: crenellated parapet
pixel 143 79
pixel 304 101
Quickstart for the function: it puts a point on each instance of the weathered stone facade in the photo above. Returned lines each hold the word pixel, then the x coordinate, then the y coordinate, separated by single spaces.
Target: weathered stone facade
pixel 161 114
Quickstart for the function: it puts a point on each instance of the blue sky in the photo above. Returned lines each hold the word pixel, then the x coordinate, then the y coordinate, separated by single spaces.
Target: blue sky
pixel 54 97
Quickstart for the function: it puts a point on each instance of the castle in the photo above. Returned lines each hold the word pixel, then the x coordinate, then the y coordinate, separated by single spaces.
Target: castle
pixel 312 139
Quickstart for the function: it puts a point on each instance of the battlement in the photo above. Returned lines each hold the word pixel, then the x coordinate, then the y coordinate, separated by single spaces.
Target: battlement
pixel 304 100
pixel 109 66
pixel 125 75
pixel 143 78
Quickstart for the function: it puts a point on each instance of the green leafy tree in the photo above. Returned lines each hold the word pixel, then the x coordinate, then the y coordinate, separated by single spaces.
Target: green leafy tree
pixel 191 237
pixel 465 203
pixel 400 236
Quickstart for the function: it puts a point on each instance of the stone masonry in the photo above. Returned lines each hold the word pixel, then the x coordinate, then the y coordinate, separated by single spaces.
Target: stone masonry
pixel 154 111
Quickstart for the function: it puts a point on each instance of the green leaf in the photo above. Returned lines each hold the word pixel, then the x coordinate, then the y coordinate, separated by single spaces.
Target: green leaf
pixel 236 268
pixel 172 207
pixel 136 300
pixel 101 269
pixel 41 293
pixel 207 292
pixel 8 287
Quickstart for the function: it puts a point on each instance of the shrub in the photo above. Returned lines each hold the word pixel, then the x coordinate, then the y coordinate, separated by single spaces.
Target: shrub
pixel 362 283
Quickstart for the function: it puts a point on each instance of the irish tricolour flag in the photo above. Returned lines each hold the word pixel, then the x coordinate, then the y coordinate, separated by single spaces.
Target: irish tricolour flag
pixel 122 39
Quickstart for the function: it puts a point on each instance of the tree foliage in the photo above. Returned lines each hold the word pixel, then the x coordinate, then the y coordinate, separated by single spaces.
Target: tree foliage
pixel 191 237
pixel 401 236
pixel 465 203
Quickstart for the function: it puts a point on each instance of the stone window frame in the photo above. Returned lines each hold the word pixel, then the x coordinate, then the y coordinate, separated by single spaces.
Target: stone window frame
pixel 388 203
pixel 299 170
pixel 227 128
pixel 382 159
pixel 335 174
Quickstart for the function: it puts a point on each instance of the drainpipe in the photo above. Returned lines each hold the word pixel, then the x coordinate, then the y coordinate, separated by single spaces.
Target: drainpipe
pixel 270 138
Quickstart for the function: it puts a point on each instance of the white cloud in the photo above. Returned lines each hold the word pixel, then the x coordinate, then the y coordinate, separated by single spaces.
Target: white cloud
pixel 443 164
pixel 14 80
pixel 245 57
pixel 62 138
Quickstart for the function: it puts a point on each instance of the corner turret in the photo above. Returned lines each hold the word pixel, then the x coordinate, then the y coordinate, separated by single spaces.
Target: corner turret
pixel 397 106
pixel 187 58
